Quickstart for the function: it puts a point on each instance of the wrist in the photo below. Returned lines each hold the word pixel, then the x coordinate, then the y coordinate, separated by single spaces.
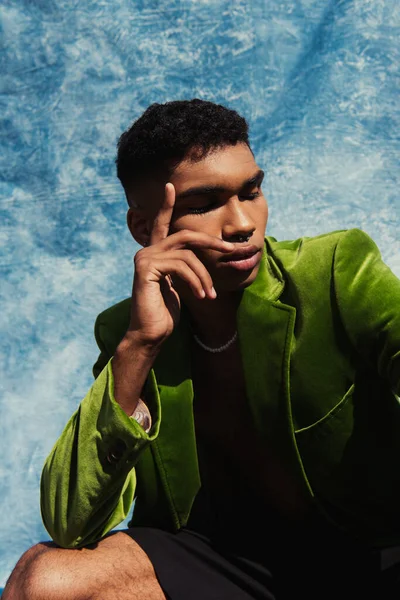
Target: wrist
pixel 133 344
pixel 131 365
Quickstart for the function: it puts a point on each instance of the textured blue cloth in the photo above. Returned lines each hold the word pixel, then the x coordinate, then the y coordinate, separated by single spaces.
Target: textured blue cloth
pixel 318 82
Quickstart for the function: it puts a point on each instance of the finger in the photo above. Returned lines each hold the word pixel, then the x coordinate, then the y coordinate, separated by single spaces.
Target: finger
pixel 195 239
pixel 181 269
pixel 199 269
pixel 154 268
pixel 162 221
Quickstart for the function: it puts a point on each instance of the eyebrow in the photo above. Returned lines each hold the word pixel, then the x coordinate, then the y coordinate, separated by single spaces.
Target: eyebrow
pixel 212 189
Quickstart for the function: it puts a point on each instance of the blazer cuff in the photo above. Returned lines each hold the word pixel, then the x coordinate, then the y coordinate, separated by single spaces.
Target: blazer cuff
pixel 122 436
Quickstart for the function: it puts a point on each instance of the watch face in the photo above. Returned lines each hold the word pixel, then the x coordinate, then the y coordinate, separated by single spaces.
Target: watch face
pixel 142 416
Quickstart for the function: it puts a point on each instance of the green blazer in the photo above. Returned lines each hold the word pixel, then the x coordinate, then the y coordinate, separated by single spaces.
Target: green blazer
pixel 319 332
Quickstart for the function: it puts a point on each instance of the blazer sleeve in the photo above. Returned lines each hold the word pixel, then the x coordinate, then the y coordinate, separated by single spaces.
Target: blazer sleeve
pixel 368 297
pixel 88 481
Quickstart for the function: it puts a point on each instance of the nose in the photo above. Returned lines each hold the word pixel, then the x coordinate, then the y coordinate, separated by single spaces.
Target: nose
pixel 238 225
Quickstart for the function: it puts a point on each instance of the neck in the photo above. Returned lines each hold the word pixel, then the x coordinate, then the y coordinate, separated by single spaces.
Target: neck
pixel 214 321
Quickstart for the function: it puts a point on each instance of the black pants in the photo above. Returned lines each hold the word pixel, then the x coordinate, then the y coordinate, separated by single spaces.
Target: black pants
pixel 316 564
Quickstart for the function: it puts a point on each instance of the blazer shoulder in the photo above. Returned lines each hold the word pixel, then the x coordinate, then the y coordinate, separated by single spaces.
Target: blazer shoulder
pixel 324 239
pixel 358 239
pixel 320 248
pixel 111 325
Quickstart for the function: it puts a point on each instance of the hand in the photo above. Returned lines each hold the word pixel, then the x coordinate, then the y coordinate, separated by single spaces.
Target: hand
pixel 155 303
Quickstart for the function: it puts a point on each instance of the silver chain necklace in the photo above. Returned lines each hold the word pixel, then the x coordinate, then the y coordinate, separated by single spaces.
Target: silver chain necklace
pixel 220 348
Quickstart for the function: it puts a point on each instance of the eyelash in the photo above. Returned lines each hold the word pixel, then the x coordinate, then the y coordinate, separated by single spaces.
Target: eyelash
pixel 205 209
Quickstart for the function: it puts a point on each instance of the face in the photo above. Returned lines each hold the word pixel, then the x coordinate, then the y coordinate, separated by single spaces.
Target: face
pixel 221 195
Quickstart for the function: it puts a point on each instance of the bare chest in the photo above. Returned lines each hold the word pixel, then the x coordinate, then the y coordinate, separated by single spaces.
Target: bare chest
pixel 226 430
pixel 220 402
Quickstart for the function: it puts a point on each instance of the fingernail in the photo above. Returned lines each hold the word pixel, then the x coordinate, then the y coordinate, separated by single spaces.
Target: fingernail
pixel 213 292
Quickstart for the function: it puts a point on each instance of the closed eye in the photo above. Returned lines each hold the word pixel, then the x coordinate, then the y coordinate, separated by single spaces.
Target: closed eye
pixel 251 196
pixel 201 210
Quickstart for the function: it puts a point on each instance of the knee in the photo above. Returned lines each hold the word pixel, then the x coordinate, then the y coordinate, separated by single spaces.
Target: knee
pixel 18 584
pixel 37 576
pixel 116 568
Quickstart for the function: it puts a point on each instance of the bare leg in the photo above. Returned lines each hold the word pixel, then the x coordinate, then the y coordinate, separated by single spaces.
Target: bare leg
pixel 115 569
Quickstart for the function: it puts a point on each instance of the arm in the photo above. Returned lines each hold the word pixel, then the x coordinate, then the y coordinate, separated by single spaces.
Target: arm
pixel 368 297
pixel 88 481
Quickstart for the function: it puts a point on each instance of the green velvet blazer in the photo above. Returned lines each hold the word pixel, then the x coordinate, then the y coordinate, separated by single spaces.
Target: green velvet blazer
pixel 319 333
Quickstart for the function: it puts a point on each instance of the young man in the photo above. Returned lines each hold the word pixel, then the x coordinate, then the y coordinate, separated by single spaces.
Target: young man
pixel 246 396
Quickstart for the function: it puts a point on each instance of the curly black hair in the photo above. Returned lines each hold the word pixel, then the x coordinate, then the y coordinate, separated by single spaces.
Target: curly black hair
pixel 167 133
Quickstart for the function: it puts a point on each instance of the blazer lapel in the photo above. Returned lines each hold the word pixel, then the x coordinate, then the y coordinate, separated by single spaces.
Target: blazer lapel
pixel 265 328
pixel 175 447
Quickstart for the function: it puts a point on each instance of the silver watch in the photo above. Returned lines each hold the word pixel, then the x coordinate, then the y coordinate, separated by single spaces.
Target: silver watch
pixel 142 416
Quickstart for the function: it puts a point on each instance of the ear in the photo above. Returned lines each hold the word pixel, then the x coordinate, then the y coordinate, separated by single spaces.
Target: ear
pixel 139 225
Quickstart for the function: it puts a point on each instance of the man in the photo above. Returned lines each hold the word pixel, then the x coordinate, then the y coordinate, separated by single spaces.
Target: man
pixel 246 396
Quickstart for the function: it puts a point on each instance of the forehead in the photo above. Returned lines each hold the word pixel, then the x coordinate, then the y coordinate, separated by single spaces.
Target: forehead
pixel 228 166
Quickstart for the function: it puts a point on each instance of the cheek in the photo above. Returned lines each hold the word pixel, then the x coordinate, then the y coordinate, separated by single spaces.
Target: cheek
pixel 266 212
pixel 207 257
pixel 262 213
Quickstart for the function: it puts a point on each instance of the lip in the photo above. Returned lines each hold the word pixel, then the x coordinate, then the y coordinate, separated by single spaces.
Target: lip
pixel 243 259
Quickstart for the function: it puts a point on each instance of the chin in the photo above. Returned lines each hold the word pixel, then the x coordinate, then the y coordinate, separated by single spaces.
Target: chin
pixel 239 282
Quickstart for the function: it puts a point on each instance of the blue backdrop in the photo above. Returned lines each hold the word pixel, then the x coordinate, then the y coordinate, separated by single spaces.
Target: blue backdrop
pixel 318 81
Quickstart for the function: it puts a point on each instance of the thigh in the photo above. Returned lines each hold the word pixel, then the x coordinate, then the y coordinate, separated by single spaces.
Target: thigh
pixel 187 565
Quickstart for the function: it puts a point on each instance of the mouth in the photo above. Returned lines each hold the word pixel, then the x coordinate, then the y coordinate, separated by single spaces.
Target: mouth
pixel 242 259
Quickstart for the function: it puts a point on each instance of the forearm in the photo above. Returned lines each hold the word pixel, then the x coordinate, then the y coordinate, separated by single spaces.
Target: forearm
pixel 131 365
pixel 88 482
